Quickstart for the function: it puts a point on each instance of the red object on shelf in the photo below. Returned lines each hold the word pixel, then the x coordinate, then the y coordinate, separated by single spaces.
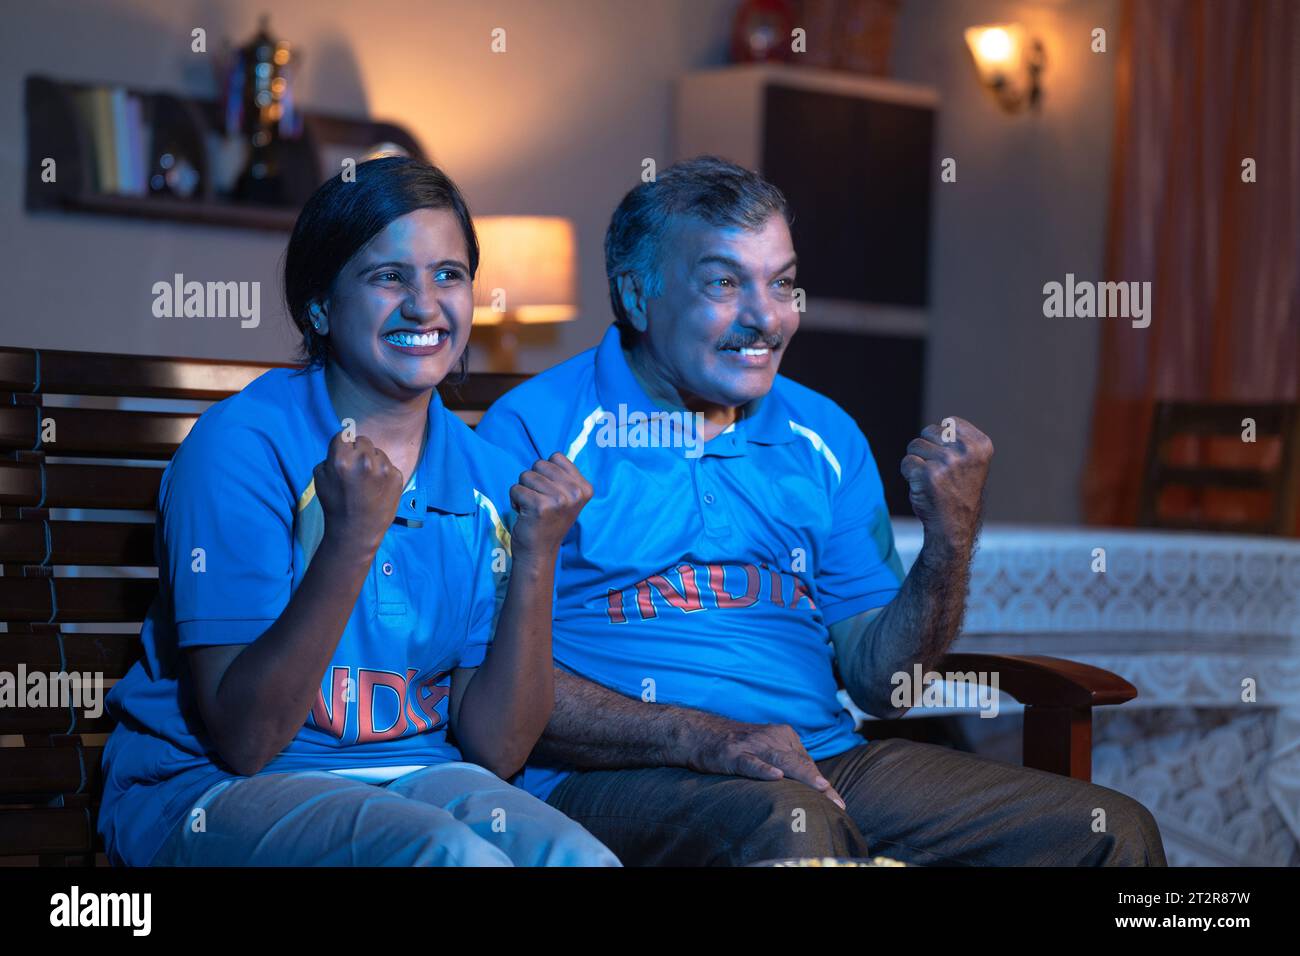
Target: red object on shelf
pixel 761 32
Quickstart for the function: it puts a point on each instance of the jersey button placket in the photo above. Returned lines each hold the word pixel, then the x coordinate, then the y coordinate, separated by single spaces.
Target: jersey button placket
pixel 389 587
pixel 714 515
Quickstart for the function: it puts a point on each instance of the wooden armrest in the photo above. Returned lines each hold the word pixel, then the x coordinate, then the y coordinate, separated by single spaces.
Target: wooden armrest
pixel 1038 680
pixel 1058 696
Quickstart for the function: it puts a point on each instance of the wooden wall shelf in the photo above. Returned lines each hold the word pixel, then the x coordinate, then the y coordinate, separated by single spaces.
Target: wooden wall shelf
pixel 212 213
pixel 55 129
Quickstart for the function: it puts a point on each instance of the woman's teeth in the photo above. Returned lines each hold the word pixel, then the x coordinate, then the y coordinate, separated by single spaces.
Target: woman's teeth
pixel 407 340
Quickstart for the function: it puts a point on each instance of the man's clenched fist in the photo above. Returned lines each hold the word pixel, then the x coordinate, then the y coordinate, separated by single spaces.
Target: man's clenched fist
pixel 945 480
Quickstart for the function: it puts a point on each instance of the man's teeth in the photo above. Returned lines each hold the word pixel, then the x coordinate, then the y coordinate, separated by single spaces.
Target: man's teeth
pixel 757 351
pixel 407 340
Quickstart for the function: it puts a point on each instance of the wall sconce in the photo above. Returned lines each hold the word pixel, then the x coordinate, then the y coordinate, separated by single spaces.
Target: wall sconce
pixel 1009 63
pixel 527 275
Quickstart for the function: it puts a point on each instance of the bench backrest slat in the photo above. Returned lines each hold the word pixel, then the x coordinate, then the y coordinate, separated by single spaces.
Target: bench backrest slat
pixel 50 650
pixel 92 543
pixel 140 376
pixel 105 486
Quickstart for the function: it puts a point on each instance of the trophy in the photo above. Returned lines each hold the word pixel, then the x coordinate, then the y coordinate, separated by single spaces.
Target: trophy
pixel 259 107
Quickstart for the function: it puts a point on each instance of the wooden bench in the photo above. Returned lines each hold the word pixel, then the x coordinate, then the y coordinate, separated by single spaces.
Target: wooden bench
pixel 83 438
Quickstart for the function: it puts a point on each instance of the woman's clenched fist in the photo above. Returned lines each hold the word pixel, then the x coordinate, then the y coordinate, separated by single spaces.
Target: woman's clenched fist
pixel 547 501
pixel 358 489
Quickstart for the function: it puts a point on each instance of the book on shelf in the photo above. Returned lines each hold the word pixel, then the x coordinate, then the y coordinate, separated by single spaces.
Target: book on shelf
pixel 114 122
pixel 139 143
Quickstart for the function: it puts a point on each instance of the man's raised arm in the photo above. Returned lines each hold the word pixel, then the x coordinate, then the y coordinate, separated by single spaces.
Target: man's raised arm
pixel 945 469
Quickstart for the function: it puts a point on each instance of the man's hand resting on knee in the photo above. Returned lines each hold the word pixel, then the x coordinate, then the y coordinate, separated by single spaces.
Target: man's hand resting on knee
pixel 595 728
pixel 761 751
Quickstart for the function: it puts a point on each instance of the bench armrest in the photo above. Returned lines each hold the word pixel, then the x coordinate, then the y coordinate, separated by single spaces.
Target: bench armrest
pixel 1038 680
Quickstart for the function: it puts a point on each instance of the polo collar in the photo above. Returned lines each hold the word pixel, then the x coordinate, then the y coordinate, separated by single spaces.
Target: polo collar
pixel 764 421
pixel 442 482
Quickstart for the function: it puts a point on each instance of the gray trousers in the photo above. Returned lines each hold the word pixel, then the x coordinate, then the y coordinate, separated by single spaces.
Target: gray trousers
pixel 914 802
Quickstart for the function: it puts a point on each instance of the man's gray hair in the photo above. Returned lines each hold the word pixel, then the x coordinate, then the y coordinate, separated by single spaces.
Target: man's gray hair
pixel 715 190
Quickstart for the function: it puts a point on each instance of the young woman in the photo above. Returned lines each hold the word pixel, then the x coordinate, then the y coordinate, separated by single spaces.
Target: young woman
pixel 351 644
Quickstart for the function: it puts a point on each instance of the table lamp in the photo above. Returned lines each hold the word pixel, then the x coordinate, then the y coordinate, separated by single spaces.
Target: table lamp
pixel 527 275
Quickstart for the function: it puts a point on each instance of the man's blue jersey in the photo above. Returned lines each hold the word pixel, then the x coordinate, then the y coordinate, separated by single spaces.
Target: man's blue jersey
pixel 707 577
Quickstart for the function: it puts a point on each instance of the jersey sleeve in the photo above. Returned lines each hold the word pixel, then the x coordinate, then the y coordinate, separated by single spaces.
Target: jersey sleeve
pixel 859 568
pixel 225 544
pixel 502 425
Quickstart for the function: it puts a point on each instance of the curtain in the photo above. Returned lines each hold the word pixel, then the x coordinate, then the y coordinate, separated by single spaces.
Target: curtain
pixel 1202 87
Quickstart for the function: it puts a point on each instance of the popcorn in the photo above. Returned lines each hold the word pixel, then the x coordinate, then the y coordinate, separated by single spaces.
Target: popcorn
pixel 837 861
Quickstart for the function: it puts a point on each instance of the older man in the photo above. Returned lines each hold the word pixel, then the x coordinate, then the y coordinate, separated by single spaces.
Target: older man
pixel 736 551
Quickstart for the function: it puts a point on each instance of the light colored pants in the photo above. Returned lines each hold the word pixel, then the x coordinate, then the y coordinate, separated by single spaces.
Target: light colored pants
pixel 451 814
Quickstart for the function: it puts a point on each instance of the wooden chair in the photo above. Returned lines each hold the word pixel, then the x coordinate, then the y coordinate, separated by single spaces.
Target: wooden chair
pixel 109 460
pixel 1275 489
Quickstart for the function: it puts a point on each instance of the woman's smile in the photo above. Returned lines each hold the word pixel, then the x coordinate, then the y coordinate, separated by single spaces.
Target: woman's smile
pixel 417 341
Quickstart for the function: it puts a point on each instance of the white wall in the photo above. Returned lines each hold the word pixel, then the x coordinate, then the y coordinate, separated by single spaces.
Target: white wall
pixel 1028 206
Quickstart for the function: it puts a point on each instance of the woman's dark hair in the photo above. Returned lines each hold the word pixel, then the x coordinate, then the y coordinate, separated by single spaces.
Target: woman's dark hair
pixel 342 216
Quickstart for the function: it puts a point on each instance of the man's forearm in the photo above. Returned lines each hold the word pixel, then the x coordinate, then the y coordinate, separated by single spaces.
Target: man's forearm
pixel 595 727
pixel 917 626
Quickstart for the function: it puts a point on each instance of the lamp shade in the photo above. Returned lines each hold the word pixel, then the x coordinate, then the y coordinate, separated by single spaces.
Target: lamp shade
pixel 998 51
pixel 527 270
